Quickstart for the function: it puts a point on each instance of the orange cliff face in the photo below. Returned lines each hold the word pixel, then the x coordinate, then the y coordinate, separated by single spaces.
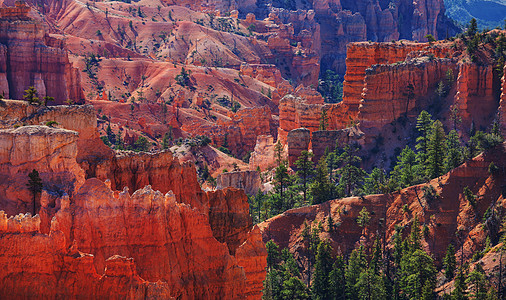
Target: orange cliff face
pixel 387 81
pixel 29 57
pixel 100 242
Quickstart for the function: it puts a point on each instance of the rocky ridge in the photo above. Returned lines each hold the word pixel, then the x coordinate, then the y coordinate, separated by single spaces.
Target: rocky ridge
pixel 156 240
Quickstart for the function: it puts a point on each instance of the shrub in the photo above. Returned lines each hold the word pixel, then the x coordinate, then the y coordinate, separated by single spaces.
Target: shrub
pixel 51 123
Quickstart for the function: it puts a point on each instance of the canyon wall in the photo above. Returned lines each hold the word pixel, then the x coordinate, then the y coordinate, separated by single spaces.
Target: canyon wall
pixel 29 57
pixel 386 95
pixel 50 151
pixel 90 240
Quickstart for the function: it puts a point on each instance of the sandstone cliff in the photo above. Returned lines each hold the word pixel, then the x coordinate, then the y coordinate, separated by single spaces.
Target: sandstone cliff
pixel 249 181
pixel 29 57
pixel 50 151
pixel 89 240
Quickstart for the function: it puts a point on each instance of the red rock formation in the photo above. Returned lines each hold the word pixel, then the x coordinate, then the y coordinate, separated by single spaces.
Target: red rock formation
pixel 28 57
pixel 249 181
pixel 298 140
pixel 263 155
pixel 229 217
pixel 385 95
pixel 361 56
pixel 295 113
pixel 265 73
pixel 66 273
pixel 177 244
pixel 17 12
pixel 181 244
pixel 251 122
pixel 252 256
pixel 50 151
pixel 475 96
pixel 80 118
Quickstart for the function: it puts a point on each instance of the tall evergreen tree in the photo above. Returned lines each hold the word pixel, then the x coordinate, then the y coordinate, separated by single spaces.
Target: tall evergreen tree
pixel 321 188
pixel 35 186
pixel 370 286
pixel 454 156
pixel 337 280
pixel 418 272
pixel 323 267
pixel 459 292
pixel 404 172
pixel 311 238
pixel 477 281
pixel 356 264
pixel 450 262
pixel 281 181
pixel 436 150
pixel 351 173
pixel 424 126
pixel 375 183
pixel 305 169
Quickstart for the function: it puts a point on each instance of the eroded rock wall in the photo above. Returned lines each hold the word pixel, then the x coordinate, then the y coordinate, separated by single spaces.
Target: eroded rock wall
pixel 29 57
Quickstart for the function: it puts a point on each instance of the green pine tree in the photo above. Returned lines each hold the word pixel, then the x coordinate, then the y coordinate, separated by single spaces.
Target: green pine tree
pixel 320 289
pixel 305 169
pixel 454 156
pixel 450 262
pixel 436 150
pixel 351 174
pixel 321 188
pixel 424 126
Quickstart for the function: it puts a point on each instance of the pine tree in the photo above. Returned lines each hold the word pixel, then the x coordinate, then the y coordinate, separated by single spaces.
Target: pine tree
pixel 31 95
pixel 370 286
pixel 281 181
pixel 323 120
pixel 321 188
pixel 311 239
pixel 363 217
pixel 35 186
pixel 356 264
pixel 337 280
pixel 450 262
pixel 294 288
pixel 165 140
pixel 273 255
pixel 47 99
pixel 404 172
pixel 375 183
pixel 472 28
pixel 323 267
pixel 424 126
pixel 376 259
pixel 453 157
pixel 351 174
pixel 436 150
pixel 418 273
pixel 305 169
pixel 477 281
pixel 459 293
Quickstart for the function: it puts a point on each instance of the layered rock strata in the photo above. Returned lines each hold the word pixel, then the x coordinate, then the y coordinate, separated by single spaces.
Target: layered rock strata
pixel 29 57
pixel 89 240
pixel 249 181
